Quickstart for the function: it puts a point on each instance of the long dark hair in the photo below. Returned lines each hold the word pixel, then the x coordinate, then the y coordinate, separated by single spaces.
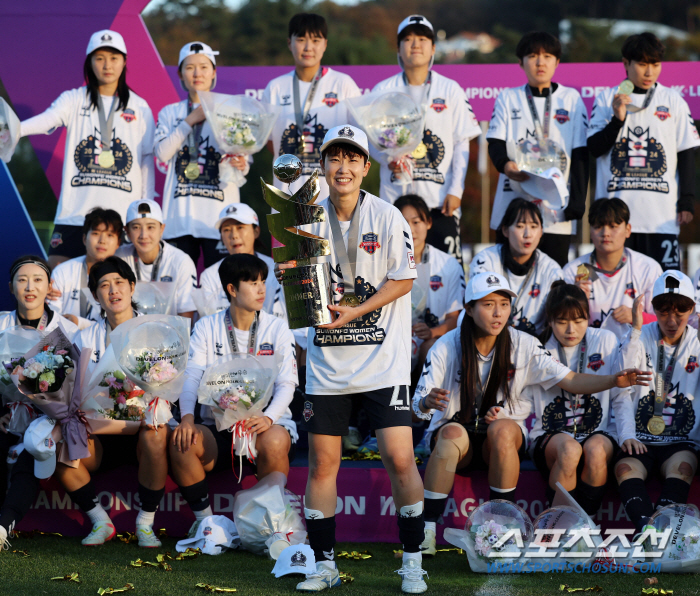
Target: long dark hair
pixel 517 211
pixel 501 369
pixel 93 85
pixel 565 301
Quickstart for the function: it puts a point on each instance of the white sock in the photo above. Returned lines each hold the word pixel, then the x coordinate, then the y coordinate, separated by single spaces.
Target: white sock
pixel 145 518
pixel 431 526
pixel 313 514
pixel 97 514
pixel 328 564
pixel 415 556
pixel 429 494
pixel 206 512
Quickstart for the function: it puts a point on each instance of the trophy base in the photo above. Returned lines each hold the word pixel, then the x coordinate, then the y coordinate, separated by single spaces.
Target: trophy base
pixel 307 294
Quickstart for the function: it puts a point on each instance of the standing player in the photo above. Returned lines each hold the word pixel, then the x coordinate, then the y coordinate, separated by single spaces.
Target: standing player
pixel 644 139
pixel 311 97
pixel 193 194
pixel 364 355
pixel 541 108
pixel 109 144
pixel 442 158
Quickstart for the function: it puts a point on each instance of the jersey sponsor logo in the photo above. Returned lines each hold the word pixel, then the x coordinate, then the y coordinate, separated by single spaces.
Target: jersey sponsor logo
pixel 562 116
pixel 662 113
pixel 91 173
pixel 425 167
pixel 217 349
pixel 206 185
pixel 439 105
pixel 166 278
pixel 411 260
pixel 370 243
pixel 312 136
pixel 56 239
pixel 630 291
pixel 330 99
pixel 85 111
pixel 436 283
pixel 75 295
pixel 638 162
pixel 595 362
pixel 266 349
pixel 308 410
pixel 480 261
pixel 692 364
pixel 96 355
pixel 678 414
pixel 516 114
pixel 535 291
pixel 128 115
pixel 286 100
pixel 562 414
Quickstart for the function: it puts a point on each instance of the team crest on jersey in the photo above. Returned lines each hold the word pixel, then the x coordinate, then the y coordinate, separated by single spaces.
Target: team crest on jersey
pixel 91 173
pixel 266 349
pixel 312 139
pixel 206 185
pixel 435 283
pixel 595 362
pixel 56 239
pixel 562 116
pixel 308 410
pixel 369 243
pixel 427 158
pixel 562 414
pixel 638 162
pixel 630 291
pixel 662 113
pixel 510 374
pixel 535 291
pixel 692 364
pixel 128 115
pixel 330 99
pixel 411 260
pixel 678 414
pixel 439 105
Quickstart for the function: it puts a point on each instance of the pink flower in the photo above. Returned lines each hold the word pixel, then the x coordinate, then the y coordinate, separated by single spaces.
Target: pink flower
pixel 17 370
pixel 62 352
pixel 121 399
pixel 43 386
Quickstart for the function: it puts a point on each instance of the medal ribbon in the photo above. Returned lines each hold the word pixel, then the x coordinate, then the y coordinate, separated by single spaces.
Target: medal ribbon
pixel 647 100
pixel 156 264
pixel 106 122
pixel 542 130
pixel 232 333
pixel 193 137
pixel 619 266
pixel 480 390
pixel 43 321
pixel 298 114
pixel 426 85
pixel 85 307
pixel 664 374
pixel 583 352
pixel 347 257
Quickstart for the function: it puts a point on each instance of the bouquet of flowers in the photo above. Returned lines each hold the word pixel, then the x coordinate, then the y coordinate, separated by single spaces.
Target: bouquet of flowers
pixel 9 131
pixel 152 352
pixel 241 125
pixel 45 371
pixel 680 524
pixel 394 124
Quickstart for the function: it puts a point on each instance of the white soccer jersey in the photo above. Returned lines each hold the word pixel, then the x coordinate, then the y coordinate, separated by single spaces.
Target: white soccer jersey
pixel 449 126
pixel 696 285
pixel 640 350
pixel 210 341
pixel 190 207
pixel 9 319
pixel 532 363
pixel 68 278
pixel 175 266
pixel 373 352
pixel 274 304
pixel 637 276
pixel 327 110
pixel 641 167
pixel 85 183
pixel 554 408
pixel 443 282
pixel 512 121
pixel 529 305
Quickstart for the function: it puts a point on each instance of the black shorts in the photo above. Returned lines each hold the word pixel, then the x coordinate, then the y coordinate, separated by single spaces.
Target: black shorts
pixel 656 455
pixel 192 246
pixel 538 457
pixel 663 248
pixel 556 246
pixel 67 241
pixel 118 450
pixel 225 458
pixel 445 234
pixel 330 414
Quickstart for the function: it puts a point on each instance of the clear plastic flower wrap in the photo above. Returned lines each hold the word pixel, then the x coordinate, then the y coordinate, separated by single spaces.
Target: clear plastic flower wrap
pixel 563 524
pixel 152 351
pixel 156 297
pixel 207 302
pixel 241 125
pixel 9 131
pixel 393 123
pixel 681 553
pixel 485 536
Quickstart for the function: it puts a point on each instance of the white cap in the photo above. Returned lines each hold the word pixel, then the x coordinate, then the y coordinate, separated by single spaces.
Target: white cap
pixel 346 134
pixel 414 19
pixel 298 558
pixel 483 284
pixel 197 47
pixel 39 442
pixel 155 212
pixel 106 39
pixel 240 212
pixel 674 282
pixel 215 534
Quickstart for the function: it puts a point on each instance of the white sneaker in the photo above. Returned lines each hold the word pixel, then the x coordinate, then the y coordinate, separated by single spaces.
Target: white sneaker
pixel 412 575
pixel 147 537
pixel 427 547
pixel 326 576
pixel 4 542
pixel 101 532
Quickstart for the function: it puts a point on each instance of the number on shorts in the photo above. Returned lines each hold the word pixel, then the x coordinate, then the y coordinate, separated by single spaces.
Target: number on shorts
pixel 396 397
pixel 670 248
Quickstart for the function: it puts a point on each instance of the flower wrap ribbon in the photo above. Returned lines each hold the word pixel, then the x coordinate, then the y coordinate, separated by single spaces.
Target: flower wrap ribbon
pixel 126 588
pixel 242 441
pixel 71 577
pixel 162 563
pixel 657 591
pixel 25 554
pixel 217 589
pixel 357 556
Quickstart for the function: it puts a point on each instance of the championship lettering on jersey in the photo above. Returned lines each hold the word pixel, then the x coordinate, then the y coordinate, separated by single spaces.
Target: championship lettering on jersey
pixel 206 185
pixel 91 173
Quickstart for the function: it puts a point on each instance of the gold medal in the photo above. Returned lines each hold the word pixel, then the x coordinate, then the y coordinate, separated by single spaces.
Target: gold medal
pixel 106 159
pixel 192 170
pixel 625 88
pixel 349 300
pixel 420 152
pixel 656 426
pixel 582 270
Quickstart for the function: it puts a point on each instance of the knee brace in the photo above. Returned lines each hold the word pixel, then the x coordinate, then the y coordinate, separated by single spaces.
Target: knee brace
pixel 630 468
pixel 451 449
pixel 681 465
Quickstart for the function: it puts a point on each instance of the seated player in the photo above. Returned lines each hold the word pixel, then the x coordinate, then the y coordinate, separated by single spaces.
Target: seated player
pixel 574 437
pixel 612 276
pixel 102 234
pixel 470 390
pixel 658 430
pixel 112 284
pixel 527 269
pixel 197 449
pixel 153 259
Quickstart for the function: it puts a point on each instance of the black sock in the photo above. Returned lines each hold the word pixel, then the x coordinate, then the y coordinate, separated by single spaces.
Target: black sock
pixel 635 498
pixel 196 495
pixel 549 494
pixel 509 496
pixel 434 508
pixel 412 532
pixel 150 499
pixel 22 493
pixel 589 497
pixel 85 497
pixel 674 490
pixel 322 537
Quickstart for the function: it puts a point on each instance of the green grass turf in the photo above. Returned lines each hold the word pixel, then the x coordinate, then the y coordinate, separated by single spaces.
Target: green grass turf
pixel 108 566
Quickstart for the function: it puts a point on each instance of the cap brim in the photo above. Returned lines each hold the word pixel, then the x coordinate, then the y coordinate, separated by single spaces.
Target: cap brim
pixel 220 222
pixel 480 295
pixel 337 140
pixel 45 469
